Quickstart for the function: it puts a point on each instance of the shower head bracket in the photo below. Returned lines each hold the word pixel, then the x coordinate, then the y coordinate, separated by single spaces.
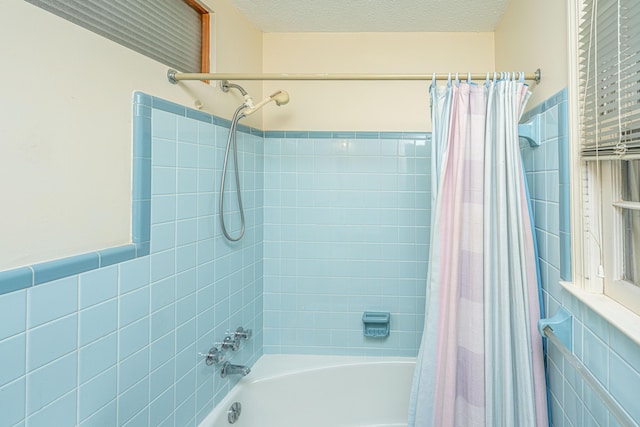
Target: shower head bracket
pixel 225 85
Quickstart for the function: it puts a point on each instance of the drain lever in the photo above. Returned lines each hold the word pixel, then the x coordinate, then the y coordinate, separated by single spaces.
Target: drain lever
pixel 234 412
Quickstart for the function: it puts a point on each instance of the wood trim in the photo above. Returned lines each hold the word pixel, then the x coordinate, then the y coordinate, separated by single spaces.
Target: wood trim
pixel 205 20
pixel 197 6
pixel 205 60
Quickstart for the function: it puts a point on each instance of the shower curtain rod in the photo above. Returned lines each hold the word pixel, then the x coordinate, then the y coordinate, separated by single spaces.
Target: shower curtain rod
pixel 175 76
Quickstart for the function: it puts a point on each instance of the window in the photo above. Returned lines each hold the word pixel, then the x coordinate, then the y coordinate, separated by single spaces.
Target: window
pixel 617 213
pixel 174 32
pixel 630 209
pixel 609 78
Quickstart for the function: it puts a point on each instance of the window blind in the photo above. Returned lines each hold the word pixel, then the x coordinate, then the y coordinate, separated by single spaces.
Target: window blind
pixel 169 31
pixel 609 66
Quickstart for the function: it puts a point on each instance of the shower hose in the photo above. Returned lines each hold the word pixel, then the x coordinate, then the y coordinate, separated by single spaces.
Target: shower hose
pixel 231 140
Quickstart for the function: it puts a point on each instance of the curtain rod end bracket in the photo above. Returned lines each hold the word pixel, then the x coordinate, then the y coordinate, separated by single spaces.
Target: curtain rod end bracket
pixel 537 76
pixel 561 325
pixel 171 76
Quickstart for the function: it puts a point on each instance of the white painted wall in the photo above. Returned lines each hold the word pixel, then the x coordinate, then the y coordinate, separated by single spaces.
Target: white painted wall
pixel 366 106
pixel 65 126
pixel 531 35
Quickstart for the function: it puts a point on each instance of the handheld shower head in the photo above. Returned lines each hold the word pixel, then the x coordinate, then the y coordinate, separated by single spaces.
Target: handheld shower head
pixel 280 97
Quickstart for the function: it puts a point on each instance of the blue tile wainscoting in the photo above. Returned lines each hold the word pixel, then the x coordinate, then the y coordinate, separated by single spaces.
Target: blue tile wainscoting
pixel 346 230
pixel 608 354
pixel 112 338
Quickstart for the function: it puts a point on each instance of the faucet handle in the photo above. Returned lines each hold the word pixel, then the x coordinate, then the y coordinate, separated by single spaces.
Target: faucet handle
pixel 214 356
pixel 230 343
pixel 243 333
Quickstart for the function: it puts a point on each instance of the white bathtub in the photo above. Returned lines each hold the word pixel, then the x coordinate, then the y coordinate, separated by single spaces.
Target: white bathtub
pixel 320 391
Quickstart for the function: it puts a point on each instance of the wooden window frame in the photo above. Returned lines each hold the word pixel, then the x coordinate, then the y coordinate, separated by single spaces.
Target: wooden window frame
pixel 205 22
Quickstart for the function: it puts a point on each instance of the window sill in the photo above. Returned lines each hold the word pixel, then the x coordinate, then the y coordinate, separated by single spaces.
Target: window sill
pixel 616 314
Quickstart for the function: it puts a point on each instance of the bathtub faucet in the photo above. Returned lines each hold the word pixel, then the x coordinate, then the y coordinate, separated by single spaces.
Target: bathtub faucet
pixel 229 369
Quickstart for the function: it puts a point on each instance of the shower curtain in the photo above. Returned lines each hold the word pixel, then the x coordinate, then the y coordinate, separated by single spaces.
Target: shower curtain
pixel 480 361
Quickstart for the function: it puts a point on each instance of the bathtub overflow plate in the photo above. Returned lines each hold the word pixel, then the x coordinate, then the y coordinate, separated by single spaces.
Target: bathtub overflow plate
pixel 234 412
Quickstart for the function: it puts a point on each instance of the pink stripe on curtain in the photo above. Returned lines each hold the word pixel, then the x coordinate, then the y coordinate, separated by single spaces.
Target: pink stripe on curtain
pixel 459 383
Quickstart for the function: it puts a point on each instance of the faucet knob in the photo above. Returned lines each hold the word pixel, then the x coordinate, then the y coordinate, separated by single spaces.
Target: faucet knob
pixel 214 356
pixel 230 343
pixel 243 333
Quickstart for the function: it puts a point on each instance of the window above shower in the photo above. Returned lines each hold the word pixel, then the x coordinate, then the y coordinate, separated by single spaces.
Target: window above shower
pixel 175 32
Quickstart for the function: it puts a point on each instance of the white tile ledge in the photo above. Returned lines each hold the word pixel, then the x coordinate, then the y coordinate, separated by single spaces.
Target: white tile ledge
pixel 620 317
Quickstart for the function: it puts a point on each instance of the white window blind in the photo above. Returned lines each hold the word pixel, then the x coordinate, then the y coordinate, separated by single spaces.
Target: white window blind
pixel 609 49
pixel 169 31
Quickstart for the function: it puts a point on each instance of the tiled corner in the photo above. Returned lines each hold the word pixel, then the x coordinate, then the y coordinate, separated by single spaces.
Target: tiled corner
pixel 98 341
pixel 545 167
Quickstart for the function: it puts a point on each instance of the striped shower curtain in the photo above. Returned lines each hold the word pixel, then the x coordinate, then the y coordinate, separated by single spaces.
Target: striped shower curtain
pixel 480 361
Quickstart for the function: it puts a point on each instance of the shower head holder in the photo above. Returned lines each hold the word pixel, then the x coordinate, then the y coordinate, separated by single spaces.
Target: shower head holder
pixel 225 85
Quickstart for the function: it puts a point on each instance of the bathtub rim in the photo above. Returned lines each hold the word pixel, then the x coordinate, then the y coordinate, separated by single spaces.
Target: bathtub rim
pixel 273 366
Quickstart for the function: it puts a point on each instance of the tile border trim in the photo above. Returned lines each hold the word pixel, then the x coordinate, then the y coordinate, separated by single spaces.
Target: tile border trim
pixel 37 274
pixel 295 134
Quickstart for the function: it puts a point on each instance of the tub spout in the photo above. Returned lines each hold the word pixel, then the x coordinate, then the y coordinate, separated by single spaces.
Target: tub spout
pixel 229 369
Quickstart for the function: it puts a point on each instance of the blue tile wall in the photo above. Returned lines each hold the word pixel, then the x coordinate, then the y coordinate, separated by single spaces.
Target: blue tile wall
pixel 112 338
pixel 346 230
pixel 608 354
pixel 546 168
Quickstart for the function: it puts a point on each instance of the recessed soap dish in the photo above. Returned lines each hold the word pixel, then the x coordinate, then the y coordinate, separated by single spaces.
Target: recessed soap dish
pixel 375 324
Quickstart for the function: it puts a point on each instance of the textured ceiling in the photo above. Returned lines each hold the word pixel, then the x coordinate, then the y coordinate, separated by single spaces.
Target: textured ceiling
pixel 373 15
